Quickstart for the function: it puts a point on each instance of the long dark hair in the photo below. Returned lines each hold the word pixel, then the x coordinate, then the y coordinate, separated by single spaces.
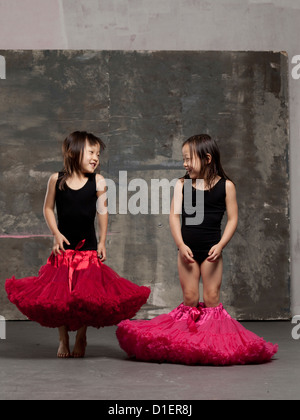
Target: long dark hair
pixel 201 145
pixel 73 147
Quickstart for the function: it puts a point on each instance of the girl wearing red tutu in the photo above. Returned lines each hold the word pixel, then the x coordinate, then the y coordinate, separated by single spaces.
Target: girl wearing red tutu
pixel 198 333
pixel 75 289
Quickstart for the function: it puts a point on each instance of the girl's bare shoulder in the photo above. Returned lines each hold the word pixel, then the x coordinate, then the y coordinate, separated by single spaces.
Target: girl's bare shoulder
pixel 53 178
pixel 230 188
pixel 99 178
pixel 180 182
pixel 100 183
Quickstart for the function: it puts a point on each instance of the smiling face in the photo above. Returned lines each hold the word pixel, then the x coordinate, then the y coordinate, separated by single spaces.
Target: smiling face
pixel 191 163
pixel 90 157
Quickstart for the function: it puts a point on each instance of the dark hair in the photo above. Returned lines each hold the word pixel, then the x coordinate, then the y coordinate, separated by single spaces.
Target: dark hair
pixel 73 147
pixel 201 145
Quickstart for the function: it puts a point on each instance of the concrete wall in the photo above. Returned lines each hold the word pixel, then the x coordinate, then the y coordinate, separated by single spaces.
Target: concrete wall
pixel 166 25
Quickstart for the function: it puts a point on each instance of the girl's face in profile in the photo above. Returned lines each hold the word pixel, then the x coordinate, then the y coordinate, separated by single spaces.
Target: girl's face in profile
pixel 192 164
pixel 90 158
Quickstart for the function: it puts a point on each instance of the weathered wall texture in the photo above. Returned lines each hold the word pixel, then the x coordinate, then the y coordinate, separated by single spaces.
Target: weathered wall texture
pixel 143 105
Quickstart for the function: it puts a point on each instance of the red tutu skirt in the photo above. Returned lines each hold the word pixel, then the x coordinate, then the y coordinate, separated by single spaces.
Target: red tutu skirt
pixel 205 336
pixel 75 289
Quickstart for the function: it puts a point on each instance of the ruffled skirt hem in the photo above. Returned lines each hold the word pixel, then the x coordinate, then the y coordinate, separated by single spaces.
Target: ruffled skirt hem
pixel 75 289
pixel 205 336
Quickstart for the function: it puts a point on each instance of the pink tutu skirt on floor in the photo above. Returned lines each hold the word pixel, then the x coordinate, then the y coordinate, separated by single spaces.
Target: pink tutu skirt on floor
pixel 205 336
pixel 75 289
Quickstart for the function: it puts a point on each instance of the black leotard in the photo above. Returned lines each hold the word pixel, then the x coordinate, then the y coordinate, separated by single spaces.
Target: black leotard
pixel 200 238
pixel 76 211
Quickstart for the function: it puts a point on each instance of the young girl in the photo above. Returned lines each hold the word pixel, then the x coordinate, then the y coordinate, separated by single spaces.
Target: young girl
pixel 75 289
pixel 198 333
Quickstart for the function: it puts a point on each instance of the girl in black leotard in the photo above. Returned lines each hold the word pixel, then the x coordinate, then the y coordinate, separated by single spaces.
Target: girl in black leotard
pixel 197 332
pixel 75 289
pixel 200 246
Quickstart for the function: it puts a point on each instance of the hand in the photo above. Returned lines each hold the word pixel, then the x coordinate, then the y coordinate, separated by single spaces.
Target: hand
pixel 101 251
pixel 186 254
pixel 215 253
pixel 58 243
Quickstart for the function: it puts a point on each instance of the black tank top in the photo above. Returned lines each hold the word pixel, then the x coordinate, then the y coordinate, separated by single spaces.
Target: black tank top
pixel 76 211
pixel 209 231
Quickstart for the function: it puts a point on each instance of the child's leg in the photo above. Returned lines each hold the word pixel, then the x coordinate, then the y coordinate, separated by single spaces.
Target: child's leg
pixel 189 276
pixel 63 349
pixel 80 343
pixel 212 279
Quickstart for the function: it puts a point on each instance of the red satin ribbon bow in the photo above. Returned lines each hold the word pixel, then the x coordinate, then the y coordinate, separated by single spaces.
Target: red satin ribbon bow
pixel 194 316
pixel 76 262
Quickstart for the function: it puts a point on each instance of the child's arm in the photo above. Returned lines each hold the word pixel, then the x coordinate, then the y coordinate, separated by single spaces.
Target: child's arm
pixel 231 225
pixel 102 215
pixel 175 225
pixel 48 210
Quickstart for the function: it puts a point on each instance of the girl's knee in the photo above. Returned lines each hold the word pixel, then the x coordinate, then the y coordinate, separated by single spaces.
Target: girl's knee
pixel 191 298
pixel 211 298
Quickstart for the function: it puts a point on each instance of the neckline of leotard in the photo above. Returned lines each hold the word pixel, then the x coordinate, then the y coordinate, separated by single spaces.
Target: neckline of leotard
pixel 72 189
pixel 197 189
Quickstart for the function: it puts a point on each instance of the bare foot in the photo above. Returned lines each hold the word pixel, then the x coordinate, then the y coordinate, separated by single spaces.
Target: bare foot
pixel 79 348
pixel 80 343
pixel 63 350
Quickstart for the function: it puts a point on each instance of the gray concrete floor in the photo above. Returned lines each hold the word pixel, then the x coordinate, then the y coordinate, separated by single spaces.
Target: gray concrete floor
pixel 29 370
